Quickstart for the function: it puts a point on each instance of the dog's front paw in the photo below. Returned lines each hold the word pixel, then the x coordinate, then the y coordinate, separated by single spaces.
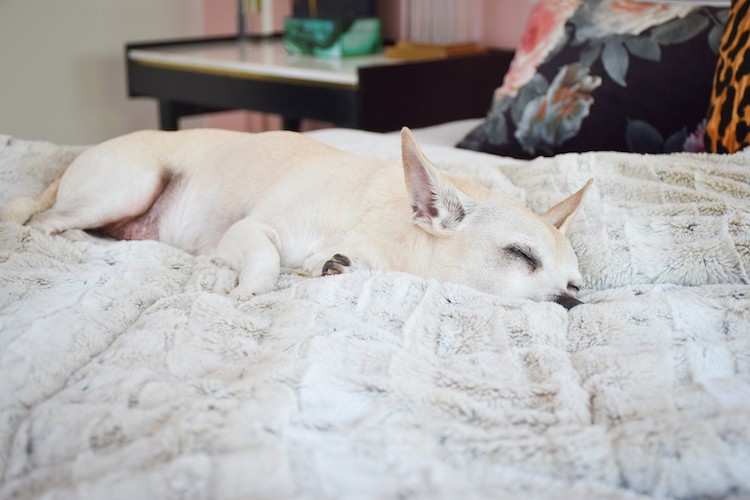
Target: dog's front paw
pixel 336 265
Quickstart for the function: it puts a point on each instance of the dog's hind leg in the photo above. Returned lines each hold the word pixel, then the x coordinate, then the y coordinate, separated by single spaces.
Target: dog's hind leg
pixel 87 200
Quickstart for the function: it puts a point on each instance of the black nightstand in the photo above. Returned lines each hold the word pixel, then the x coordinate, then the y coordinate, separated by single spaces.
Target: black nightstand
pixel 372 92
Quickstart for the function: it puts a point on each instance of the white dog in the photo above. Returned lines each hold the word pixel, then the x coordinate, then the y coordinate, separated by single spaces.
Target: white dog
pixel 262 201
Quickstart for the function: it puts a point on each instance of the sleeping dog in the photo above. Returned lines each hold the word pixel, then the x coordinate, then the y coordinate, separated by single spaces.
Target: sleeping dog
pixel 258 202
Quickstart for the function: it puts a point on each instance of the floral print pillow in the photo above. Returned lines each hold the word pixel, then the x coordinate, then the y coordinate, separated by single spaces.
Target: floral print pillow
pixel 616 75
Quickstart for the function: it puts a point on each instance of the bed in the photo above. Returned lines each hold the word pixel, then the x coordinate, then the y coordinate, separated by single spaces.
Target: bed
pixel 127 372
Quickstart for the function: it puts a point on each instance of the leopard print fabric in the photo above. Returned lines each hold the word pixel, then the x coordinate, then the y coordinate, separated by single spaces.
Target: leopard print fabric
pixel 728 121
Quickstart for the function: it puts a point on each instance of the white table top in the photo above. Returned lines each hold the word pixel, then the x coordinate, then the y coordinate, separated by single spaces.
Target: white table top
pixel 258 58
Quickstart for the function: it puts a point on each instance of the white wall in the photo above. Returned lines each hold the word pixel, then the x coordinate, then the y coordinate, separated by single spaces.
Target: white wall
pixel 62 71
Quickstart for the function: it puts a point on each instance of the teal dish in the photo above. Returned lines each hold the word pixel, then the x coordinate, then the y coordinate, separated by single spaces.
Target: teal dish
pixel 332 37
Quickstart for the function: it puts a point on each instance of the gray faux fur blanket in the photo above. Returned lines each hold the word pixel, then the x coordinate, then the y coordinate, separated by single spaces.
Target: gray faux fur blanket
pixel 125 371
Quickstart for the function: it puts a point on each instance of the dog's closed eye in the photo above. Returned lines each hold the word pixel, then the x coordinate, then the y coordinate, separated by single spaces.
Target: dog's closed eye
pixel 524 255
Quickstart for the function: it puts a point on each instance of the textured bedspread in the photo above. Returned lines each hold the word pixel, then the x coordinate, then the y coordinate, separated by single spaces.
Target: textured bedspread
pixel 125 372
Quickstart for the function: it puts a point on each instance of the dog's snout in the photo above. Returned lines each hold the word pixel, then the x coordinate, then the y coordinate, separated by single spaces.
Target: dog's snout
pixel 567 301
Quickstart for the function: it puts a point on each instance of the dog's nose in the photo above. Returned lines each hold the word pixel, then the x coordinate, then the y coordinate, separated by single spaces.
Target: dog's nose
pixel 567 301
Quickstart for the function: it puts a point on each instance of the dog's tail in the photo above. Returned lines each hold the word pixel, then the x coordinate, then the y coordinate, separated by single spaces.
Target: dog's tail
pixel 21 210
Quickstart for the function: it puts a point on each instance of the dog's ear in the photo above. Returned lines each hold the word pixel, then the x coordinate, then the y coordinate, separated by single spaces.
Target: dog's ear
pixel 437 205
pixel 562 214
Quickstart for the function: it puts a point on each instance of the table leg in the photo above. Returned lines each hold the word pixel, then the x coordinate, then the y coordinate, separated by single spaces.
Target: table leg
pixel 168 115
pixel 288 123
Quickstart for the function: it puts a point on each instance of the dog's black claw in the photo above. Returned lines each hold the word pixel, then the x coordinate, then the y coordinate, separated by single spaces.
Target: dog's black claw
pixel 342 259
pixel 329 268
pixel 336 265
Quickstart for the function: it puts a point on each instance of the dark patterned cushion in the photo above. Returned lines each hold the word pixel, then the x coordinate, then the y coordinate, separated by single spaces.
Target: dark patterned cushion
pixel 600 75
pixel 728 124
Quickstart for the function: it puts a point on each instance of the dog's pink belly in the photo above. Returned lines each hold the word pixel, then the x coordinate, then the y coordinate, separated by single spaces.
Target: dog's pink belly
pixel 146 225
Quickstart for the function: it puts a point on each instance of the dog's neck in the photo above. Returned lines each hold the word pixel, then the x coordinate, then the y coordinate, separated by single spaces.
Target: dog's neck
pixel 385 235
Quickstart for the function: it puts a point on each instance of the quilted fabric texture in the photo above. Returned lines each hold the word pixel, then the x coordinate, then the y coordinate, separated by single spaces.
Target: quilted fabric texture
pixel 728 126
pixel 595 75
pixel 126 371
